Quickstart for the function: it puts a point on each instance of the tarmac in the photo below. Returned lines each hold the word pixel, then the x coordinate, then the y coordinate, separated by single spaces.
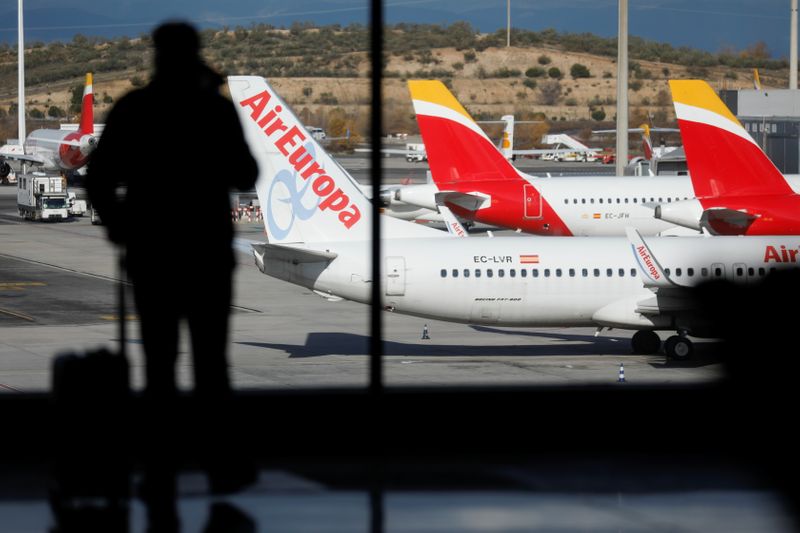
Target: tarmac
pixel 58 293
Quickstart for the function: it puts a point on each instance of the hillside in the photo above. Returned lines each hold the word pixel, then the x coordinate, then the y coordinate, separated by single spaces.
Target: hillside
pixel 543 76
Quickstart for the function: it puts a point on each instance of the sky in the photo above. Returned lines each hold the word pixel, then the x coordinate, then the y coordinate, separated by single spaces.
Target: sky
pixel 710 25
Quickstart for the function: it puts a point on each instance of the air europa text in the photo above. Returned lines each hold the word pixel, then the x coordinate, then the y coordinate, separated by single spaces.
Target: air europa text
pixel 288 142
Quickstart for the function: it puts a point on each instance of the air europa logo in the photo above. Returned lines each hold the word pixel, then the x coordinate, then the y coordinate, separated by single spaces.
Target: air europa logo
pixel 288 141
pixel 780 255
pixel 648 262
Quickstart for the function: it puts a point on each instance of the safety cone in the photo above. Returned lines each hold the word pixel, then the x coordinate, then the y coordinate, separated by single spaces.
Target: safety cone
pixel 425 332
pixel 621 374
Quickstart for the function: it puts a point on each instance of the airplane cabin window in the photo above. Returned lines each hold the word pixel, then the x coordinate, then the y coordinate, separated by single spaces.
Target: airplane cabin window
pixel 761 271
pixel 584 272
pixel 566 201
pixel 600 200
pixel 535 272
pixel 717 272
pixel 489 273
pixel 512 272
pixel 678 271
pixel 739 271
pixel 523 273
pixel 477 272
pixel 751 271
pixel 444 273
pixel 455 272
pixel 547 272
pixel 466 272
pixel 633 272
pixel 583 200
pixel 626 200
pixel 609 272
pixel 636 200
pixel 574 200
pixel 690 272
pixel 501 273
pixel 558 272
pixel 666 271
pixel 621 272
pixel 704 272
pixel 591 200
pixel 596 272
pixel 572 272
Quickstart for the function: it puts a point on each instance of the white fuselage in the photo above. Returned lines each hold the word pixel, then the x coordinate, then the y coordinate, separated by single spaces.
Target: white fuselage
pixel 576 281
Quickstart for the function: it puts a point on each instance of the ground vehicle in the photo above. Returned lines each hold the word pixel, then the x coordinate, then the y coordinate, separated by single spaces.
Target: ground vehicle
pixel 41 197
pixel 317 133
pixel 415 152
pixel 76 207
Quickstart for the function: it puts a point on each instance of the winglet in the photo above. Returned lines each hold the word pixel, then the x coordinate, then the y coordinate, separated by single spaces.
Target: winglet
pixel 651 272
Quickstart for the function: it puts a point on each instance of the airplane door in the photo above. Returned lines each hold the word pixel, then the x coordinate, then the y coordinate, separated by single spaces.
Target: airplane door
pixel 395 276
pixel 533 202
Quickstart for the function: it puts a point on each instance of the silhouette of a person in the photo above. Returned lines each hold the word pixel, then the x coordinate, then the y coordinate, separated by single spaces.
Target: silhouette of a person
pixel 160 179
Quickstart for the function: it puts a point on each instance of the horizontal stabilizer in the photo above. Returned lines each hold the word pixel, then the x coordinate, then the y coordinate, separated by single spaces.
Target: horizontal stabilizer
pixel 468 201
pixel 292 254
pixel 722 221
pixel 455 227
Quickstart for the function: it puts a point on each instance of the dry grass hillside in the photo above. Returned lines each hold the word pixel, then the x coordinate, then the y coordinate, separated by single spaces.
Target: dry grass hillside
pixel 489 83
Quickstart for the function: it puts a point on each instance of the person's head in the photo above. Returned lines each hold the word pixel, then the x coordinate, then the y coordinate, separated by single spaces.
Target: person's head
pixel 177 46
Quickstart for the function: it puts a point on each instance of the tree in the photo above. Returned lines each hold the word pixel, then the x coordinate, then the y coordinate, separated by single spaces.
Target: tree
pixel 55 112
pixel 555 73
pixel 599 114
pixel 544 60
pixel 579 71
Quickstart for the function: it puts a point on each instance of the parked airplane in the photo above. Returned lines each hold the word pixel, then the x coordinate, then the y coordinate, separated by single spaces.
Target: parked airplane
pixel 739 191
pixel 61 150
pixel 318 229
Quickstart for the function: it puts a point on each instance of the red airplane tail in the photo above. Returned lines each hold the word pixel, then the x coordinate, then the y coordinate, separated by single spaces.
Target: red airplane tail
pixel 87 107
pixel 457 148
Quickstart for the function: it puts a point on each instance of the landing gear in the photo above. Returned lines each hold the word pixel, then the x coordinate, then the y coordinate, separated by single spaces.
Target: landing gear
pixel 645 342
pixel 679 348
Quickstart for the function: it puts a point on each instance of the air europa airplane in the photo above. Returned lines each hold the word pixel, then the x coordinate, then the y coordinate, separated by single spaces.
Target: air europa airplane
pixel 59 150
pixel 317 224
pixel 739 190
pixel 478 183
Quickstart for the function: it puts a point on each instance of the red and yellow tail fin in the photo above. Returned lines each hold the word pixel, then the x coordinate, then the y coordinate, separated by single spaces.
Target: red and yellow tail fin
pixel 723 159
pixel 87 107
pixel 457 148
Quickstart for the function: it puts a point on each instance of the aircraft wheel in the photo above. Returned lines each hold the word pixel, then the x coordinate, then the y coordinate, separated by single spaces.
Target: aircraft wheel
pixel 679 348
pixel 645 342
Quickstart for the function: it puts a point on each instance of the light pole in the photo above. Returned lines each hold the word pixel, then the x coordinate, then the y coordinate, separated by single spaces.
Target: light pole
pixel 508 23
pixel 793 46
pixel 622 89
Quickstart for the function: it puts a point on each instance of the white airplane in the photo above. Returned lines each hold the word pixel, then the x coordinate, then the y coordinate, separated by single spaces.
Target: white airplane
pixel 61 150
pixel 317 224
pixel 476 181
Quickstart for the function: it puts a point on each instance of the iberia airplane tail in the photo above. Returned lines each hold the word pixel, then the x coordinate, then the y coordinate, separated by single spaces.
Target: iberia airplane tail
pixel 723 159
pixel 304 193
pixel 87 107
pixel 457 147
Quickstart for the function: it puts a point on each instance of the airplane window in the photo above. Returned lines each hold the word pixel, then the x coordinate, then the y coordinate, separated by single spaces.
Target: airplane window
pixel 535 272
pixel 489 273
pixel 584 272
pixel 444 273
pixel 626 200
pixel 600 200
pixel 477 272
pixel 609 200
pixel 523 273
pixel 596 272
pixel 704 272
pixel 501 273
pixel 669 200
pixel 666 271
pixel 591 201
pixel 609 272
pixel 566 201
pixel 761 271
pixel 512 273
pixel 572 272
pixel 678 272
pixel 547 272
pixel 621 272
pixel 644 200
pixel 574 200
pixel 660 200
pixel 455 272
pixel 558 272
pixel 617 200
pixel 717 272
pixel 466 272
pixel 583 200
pixel 636 200
pixel 690 272
pixel 677 199
pixel 633 272
pixel 739 271
pixel 652 199
pixel 751 271
pixel 772 269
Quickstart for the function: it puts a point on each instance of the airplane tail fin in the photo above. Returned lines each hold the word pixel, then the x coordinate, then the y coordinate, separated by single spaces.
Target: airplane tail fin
pixel 457 148
pixel 305 195
pixel 87 107
pixel 647 143
pixel 507 141
pixel 723 159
